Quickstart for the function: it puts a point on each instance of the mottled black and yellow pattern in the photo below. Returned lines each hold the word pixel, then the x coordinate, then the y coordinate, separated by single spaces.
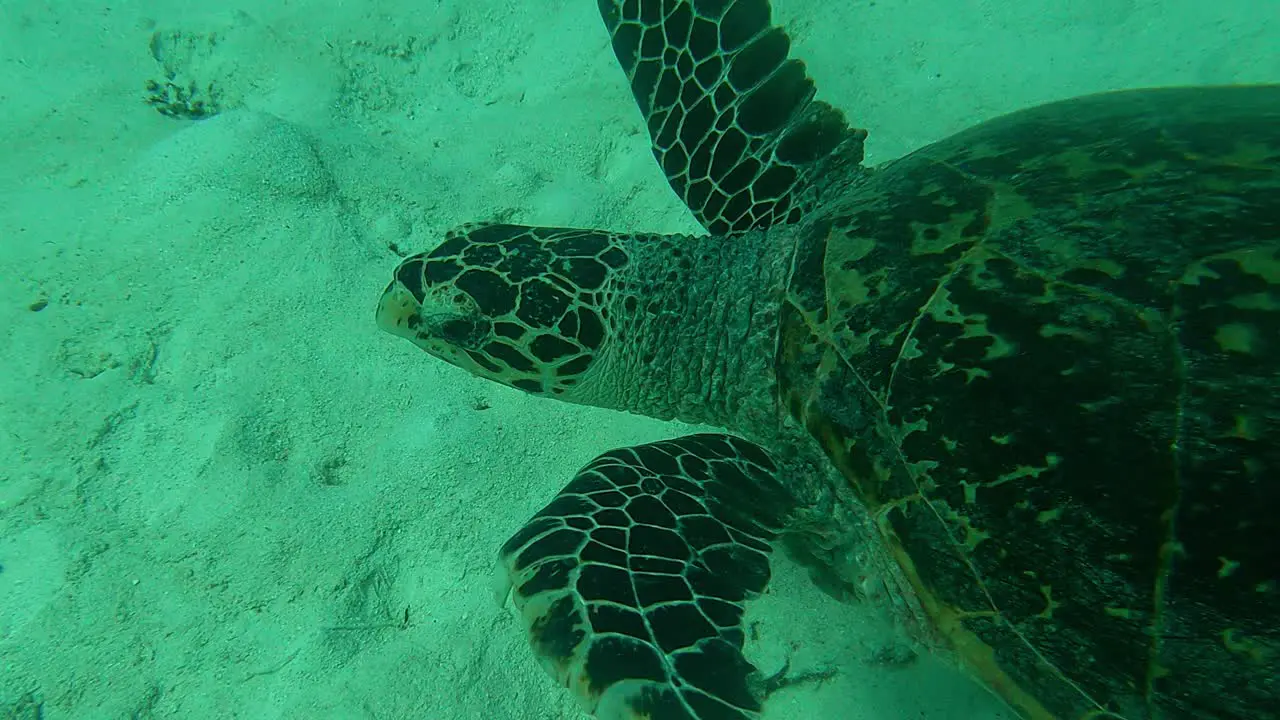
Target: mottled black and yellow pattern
pixel 1046 352
pixel 1037 362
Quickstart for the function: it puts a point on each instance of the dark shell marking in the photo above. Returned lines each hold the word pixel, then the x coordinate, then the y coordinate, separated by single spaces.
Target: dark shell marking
pixel 1046 352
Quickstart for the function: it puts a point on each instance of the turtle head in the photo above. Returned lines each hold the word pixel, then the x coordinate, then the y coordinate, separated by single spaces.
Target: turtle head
pixel 522 306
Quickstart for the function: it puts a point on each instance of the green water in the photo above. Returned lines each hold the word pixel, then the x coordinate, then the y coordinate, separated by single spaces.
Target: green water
pixel 224 493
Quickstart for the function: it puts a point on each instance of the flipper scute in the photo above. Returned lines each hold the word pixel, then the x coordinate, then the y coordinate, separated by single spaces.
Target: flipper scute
pixel 632 580
pixel 733 121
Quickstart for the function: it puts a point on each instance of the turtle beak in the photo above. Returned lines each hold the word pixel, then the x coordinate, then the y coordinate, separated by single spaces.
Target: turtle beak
pixel 398 311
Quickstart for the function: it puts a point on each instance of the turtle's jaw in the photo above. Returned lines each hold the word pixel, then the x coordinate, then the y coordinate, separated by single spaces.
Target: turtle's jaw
pixel 398 312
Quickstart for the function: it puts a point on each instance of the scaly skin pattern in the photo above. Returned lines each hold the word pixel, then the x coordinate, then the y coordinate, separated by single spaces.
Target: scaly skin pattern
pixel 633 322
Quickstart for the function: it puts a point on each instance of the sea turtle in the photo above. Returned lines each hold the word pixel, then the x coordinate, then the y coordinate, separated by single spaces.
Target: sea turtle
pixel 1027 374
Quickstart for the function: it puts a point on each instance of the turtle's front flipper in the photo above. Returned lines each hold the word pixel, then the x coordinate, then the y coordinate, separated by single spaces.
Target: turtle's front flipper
pixel 632 580
pixel 733 121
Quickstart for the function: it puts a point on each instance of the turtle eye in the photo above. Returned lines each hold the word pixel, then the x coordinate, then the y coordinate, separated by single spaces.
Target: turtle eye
pixel 465 333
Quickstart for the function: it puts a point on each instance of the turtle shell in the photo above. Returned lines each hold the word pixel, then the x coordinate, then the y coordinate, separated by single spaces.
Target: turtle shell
pixel 1045 353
